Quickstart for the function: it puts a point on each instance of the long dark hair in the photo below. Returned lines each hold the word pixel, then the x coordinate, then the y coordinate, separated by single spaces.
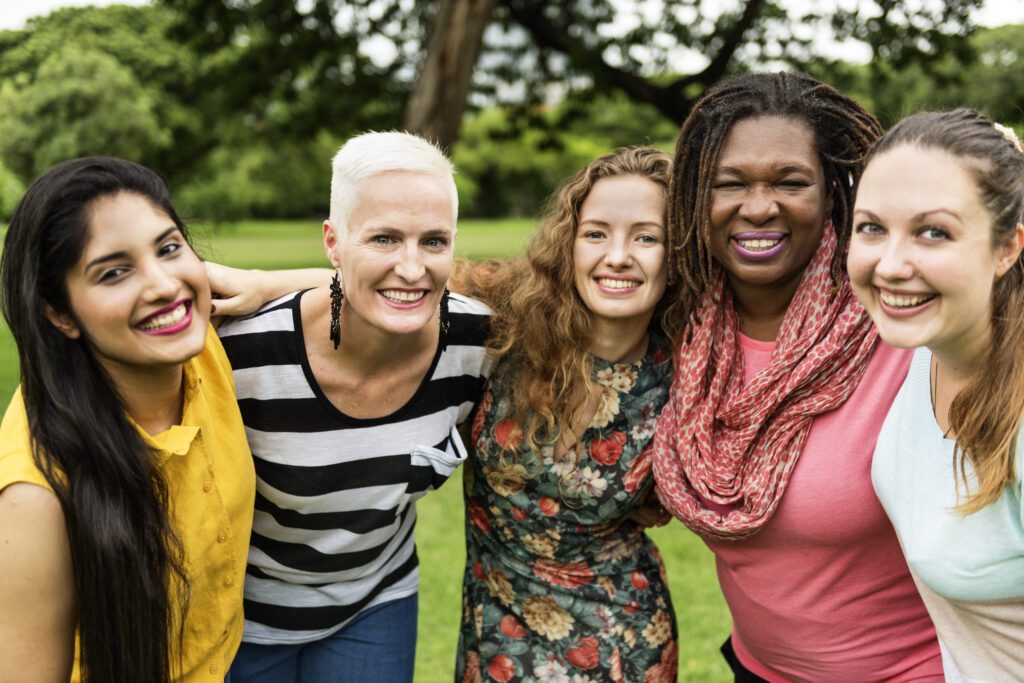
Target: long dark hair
pixel 986 414
pixel 843 132
pixel 115 500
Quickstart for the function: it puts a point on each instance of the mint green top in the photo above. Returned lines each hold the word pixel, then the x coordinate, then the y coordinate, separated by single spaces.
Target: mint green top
pixel 970 569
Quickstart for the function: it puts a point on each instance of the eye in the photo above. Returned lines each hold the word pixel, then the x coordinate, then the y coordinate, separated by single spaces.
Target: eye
pixel 727 185
pixel 869 229
pixel 169 248
pixel 794 184
pixel 648 239
pixel 112 274
pixel 934 234
pixel 382 240
pixel 435 243
pixel 593 234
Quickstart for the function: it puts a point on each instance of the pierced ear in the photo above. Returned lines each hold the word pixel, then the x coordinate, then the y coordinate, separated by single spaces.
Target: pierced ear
pixel 63 322
pixel 331 243
pixel 1009 253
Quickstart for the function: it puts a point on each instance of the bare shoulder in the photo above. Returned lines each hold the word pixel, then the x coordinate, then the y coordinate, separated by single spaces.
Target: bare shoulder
pixel 37 594
pixel 33 536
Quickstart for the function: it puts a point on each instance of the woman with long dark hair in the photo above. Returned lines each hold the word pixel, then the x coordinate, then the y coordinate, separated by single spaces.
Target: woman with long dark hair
pixel 936 259
pixel 764 446
pixel 126 486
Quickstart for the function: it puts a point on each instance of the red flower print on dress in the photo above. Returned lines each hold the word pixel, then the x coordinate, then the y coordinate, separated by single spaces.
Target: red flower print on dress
pixel 615 666
pixel 608 451
pixel 501 668
pixel 665 670
pixel 638 472
pixel 472 672
pixel 512 627
pixel 508 433
pixel 478 570
pixel 584 655
pixel 519 514
pixel 548 506
pixel 639 581
pixel 479 415
pixel 565 574
pixel 479 517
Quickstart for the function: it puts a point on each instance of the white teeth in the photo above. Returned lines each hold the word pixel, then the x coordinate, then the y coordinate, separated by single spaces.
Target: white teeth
pixel 758 245
pixel 897 301
pixel 617 284
pixel 166 320
pixel 401 296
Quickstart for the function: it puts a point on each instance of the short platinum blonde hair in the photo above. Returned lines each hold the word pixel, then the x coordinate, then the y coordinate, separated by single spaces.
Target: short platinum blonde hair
pixel 370 154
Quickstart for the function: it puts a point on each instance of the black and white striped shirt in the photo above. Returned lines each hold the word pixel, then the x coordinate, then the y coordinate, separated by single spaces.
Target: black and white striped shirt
pixel 333 530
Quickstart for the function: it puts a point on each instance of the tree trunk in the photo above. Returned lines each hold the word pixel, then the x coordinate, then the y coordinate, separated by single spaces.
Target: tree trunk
pixel 439 98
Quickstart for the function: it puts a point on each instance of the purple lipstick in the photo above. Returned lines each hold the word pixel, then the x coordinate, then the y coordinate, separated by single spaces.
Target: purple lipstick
pixel 758 245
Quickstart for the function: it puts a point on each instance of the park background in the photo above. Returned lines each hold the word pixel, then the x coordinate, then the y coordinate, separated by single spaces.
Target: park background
pixel 241 103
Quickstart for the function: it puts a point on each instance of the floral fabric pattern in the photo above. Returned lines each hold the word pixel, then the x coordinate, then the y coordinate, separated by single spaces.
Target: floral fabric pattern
pixel 561 586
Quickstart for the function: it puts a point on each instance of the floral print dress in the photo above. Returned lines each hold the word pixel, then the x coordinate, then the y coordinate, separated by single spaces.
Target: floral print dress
pixel 561 586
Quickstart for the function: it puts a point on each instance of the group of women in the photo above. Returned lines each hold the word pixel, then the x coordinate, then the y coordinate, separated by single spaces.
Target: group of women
pixel 730 334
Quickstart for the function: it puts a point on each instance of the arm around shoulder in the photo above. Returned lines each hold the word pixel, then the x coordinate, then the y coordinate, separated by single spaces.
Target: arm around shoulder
pixel 37 593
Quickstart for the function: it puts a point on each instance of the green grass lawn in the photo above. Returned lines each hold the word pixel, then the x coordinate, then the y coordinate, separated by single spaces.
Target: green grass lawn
pixel 703 618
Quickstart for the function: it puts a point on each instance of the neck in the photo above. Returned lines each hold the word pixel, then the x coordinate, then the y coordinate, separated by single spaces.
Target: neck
pixel 762 309
pixel 619 341
pixel 958 363
pixel 364 346
pixel 153 398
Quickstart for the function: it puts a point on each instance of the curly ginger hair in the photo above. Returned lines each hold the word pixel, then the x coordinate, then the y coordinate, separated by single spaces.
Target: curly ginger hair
pixel 541 328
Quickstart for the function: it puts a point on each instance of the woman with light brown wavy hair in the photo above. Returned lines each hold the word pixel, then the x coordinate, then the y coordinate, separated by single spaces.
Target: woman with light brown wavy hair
pixel 560 579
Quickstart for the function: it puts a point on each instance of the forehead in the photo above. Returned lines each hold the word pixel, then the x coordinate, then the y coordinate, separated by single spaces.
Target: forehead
pixel 122 220
pixel 769 142
pixel 908 179
pixel 625 198
pixel 398 199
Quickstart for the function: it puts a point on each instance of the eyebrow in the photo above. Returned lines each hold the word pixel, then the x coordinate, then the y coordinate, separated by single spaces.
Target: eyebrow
pixel 605 224
pixel 921 215
pixel 123 254
pixel 791 168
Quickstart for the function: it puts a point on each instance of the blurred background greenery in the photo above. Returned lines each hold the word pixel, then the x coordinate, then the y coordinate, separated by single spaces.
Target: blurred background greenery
pixel 240 104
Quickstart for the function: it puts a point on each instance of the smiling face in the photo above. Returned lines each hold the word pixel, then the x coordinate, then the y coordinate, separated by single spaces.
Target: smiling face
pixel 921 257
pixel 768 203
pixel 396 253
pixel 619 253
pixel 138 294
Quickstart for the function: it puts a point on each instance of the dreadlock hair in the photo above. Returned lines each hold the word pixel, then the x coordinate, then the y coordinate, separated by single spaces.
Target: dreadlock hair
pixel 541 328
pixel 843 131
pixel 985 415
pixel 124 551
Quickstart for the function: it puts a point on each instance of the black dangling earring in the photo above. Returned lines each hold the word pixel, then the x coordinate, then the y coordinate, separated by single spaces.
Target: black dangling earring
pixel 337 296
pixel 445 322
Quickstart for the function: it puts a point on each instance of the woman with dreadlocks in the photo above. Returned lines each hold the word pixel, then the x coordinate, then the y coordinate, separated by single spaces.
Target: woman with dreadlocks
pixel 781 386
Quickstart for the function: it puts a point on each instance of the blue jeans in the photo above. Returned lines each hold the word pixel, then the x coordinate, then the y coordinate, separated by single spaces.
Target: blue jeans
pixel 379 645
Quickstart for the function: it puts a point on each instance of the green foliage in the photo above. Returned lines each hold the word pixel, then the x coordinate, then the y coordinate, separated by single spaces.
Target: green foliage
pixel 81 102
pixel 98 80
pixel 993 83
pixel 506 168
pixel 11 189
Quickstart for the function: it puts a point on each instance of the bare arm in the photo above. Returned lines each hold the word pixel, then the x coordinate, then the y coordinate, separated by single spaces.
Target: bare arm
pixel 37 592
pixel 244 291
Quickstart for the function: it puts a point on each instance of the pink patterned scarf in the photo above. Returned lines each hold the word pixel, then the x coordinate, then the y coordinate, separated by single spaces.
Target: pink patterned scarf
pixel 734 445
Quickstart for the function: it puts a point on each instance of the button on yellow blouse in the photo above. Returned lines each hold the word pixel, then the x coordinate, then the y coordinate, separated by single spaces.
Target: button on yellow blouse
pixel 212 486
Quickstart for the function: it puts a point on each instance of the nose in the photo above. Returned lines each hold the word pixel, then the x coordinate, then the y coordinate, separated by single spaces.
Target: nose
pixel 759 207
pixel 161 283
pixel 410 264
pixel 894 261
pixel 619 253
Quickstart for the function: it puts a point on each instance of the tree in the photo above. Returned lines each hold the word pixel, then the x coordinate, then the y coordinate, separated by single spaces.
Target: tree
pixel 530 45
pixel 97 80
pixel 81 102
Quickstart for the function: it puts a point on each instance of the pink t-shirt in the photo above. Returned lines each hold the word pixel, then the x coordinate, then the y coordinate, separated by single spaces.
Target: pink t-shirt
pixel 822 592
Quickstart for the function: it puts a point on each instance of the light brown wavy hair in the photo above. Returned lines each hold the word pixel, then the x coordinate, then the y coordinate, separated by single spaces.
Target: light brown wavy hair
pixel 986 415
pixel 541 328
